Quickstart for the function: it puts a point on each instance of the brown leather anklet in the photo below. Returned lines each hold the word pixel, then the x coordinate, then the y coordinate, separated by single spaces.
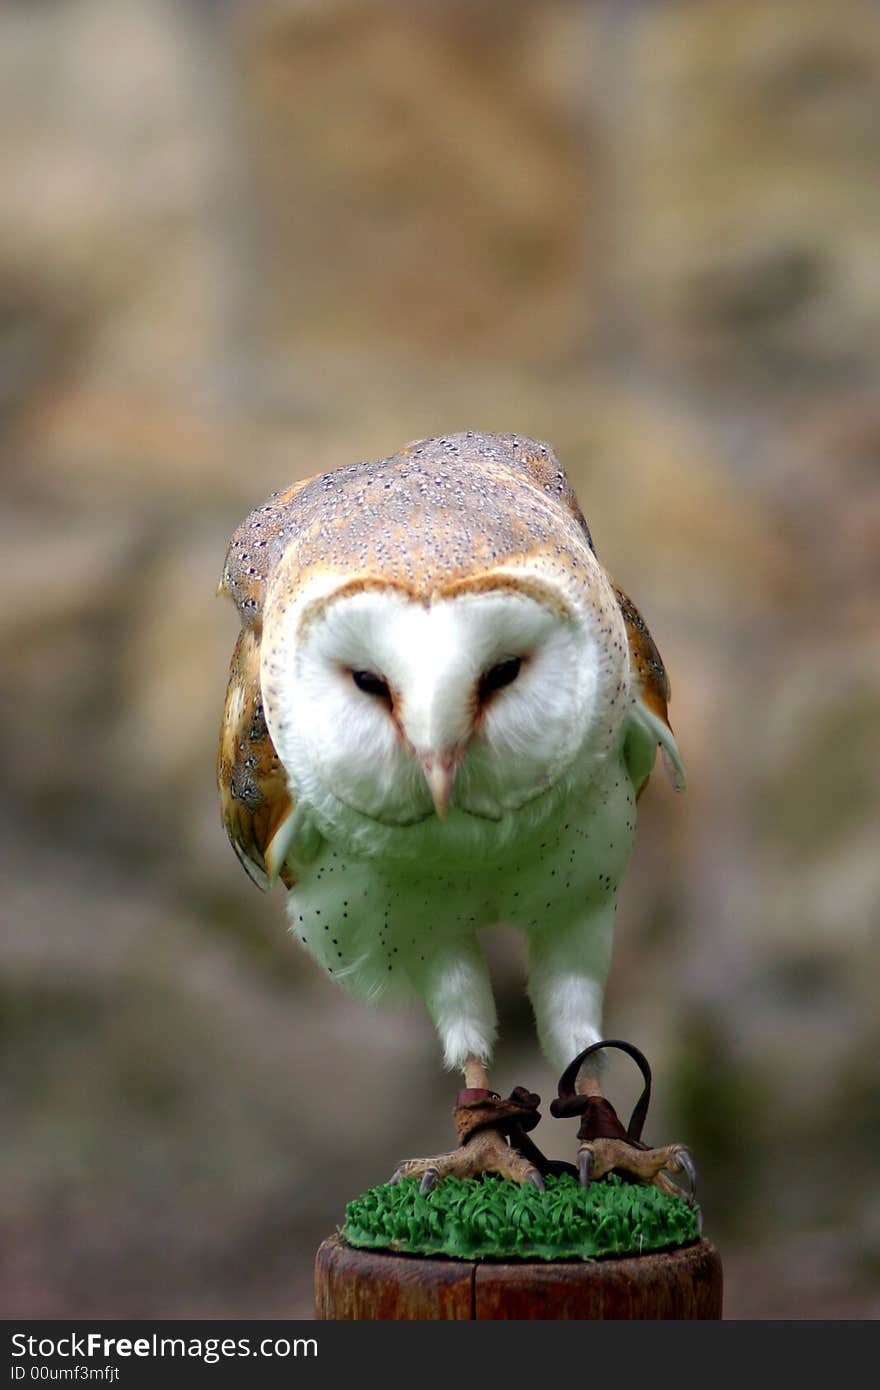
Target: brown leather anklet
pixel 478 1109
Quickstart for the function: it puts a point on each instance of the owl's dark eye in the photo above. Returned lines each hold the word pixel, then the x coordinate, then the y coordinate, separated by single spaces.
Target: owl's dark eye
pixel 371 684
pixel 504 673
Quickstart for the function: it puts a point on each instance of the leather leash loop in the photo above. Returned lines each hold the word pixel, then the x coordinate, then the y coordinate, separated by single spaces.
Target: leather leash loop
pixel 569 1103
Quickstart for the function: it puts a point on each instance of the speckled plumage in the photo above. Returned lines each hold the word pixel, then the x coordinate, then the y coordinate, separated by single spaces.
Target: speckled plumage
pixel 439 510
pixel 445 534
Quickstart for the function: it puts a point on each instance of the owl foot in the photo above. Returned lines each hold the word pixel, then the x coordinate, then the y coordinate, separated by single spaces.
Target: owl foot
pixel 484 1124
pixel 596 1157
pixel 606 1147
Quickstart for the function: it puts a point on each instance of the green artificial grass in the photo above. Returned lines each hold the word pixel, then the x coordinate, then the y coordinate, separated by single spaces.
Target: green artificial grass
pixel 494 1218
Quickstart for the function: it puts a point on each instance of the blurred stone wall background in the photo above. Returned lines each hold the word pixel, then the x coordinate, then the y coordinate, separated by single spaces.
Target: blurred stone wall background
pixel 243 242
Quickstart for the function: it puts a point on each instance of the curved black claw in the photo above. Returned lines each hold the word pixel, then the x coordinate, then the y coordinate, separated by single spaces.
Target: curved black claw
pixel 534 1177
pixel 430 1178
pixel 585 1166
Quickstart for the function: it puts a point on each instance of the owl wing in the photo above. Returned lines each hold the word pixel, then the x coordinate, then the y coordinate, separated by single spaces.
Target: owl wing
pixel 648 723
pixel 256 806
pixel 255 803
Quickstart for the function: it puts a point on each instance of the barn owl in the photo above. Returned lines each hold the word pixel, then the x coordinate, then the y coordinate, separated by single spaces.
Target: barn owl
pixel 440 713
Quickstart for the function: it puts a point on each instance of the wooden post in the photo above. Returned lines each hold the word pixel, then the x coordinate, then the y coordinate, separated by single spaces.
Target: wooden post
pixel 371 1284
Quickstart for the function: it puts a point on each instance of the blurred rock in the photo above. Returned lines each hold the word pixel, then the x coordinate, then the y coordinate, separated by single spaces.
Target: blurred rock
pixel 421 169
pixel 745 203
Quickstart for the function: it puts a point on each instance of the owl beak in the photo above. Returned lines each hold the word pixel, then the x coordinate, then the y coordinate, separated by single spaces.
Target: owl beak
pixel 440 775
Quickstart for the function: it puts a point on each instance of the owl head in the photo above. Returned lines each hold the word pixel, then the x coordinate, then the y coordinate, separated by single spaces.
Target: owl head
pixel 470 701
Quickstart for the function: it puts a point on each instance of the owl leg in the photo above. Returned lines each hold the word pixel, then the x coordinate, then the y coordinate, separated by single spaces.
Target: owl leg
pixel 606 1146
pixel 456 989
pixel 568 966
pixel 454 983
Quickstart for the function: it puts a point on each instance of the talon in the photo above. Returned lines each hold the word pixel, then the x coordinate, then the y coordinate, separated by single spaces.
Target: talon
pixel 686 1163
pixel 585 1166
pixel 492 1138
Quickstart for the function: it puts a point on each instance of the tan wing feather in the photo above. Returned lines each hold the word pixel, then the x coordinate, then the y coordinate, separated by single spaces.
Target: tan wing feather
pixel 254 798
pixel 652 682
pixel 651 687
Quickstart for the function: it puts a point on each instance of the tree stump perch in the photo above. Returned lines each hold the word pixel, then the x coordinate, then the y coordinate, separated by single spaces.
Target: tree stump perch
pixel 377 1285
